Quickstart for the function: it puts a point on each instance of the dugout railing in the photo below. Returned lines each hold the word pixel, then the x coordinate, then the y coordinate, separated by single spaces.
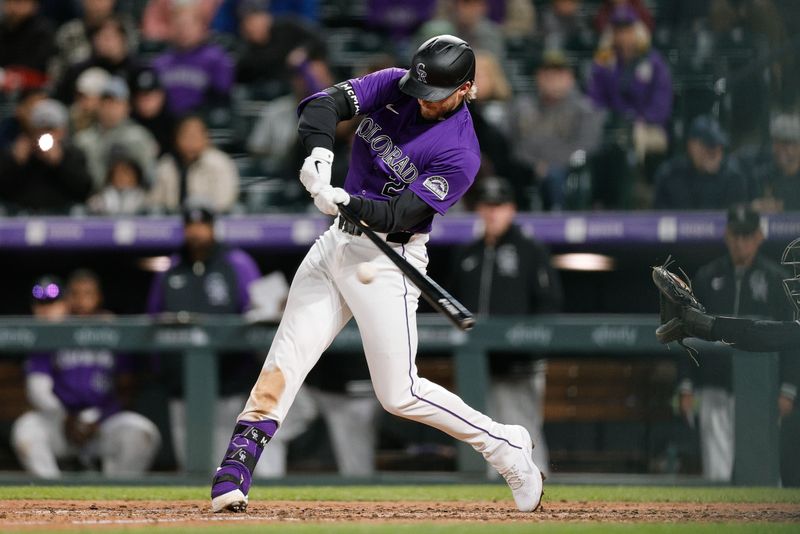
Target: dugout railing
pixel 198 338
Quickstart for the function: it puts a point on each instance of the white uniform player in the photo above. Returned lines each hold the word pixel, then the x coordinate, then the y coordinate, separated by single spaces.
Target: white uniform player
pixel 414 155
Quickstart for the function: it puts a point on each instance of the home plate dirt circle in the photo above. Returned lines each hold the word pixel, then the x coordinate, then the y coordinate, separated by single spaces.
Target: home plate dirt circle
pixel 66 514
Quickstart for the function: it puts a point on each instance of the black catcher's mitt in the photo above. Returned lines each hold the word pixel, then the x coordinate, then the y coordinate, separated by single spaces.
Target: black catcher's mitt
pixel 676 299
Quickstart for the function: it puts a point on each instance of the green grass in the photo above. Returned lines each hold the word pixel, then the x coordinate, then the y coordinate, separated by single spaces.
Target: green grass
pixel 463 528
pixel 481 492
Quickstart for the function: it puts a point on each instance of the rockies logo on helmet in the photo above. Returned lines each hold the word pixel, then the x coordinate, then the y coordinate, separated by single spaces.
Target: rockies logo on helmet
pixel 421 73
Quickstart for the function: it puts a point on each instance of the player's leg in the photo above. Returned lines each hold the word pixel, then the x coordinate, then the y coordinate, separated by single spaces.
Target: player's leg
pixel 38 441
pixel 716 415
pixel 313 316
pixel 128 444
pixel 385 311
pixel 272 463
pixel 519 401
pixel 351 424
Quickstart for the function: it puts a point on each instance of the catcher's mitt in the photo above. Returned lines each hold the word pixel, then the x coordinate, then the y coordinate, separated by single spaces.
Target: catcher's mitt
pixel 675 289
pixel 676 298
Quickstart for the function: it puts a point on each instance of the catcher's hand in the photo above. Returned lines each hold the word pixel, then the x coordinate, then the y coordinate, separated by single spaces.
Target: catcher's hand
pixel 676 299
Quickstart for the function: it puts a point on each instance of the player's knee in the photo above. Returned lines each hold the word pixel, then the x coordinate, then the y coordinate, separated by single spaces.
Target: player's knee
pixel 398 405
pixel 27 427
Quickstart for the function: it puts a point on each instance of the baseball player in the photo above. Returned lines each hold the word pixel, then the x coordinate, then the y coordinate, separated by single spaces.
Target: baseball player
pixel 414 155
pixel 77 410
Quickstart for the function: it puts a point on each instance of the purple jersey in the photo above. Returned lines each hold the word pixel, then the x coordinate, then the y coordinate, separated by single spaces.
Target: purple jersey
pixel 189 76
pixel 82 378
pixel 395 148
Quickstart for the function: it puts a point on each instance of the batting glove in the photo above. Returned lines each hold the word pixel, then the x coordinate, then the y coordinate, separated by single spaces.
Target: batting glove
pixel 328 199
pixel 316 171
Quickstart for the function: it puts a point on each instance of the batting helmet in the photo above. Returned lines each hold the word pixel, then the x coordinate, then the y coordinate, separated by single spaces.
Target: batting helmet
pixel 439 67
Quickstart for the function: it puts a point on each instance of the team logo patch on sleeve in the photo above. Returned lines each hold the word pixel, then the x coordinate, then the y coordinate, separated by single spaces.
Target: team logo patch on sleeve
pixel 437 185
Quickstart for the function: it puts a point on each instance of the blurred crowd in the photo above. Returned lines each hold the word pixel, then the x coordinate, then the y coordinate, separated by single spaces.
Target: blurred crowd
pixel 121 107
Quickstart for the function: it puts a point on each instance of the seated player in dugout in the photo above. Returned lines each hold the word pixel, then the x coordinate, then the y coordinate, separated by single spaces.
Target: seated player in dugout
pixel 414 155
pixel 78 396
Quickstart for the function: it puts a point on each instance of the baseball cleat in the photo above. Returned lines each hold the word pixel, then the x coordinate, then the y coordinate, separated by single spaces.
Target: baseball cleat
pixel 227 493
pixel 522 475
pixel 234 501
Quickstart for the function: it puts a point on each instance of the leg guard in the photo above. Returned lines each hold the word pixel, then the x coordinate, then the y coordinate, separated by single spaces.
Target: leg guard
pixel 233 478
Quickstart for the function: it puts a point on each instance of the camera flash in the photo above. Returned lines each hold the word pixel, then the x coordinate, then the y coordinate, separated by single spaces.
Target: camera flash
pixel 45 142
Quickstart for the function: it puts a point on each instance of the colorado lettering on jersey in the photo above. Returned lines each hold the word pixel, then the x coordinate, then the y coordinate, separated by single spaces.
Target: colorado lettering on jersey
pixel 71 358
pixel 384 148
pixel 351 95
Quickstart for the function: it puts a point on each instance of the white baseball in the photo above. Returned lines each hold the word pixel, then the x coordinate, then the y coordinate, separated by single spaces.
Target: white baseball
pixel 365 272
pixel 46 142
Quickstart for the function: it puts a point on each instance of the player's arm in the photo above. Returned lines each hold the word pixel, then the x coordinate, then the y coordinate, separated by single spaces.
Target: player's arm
pixel 401 213
pixel 317 130
pixel 39 385
pixel 320 112
pixel 756 336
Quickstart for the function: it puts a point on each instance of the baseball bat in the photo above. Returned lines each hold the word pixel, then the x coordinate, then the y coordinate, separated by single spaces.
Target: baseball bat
pixel 441 301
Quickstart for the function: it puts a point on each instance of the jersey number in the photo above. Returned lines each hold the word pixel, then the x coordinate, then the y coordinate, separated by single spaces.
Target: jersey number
pixel 391 189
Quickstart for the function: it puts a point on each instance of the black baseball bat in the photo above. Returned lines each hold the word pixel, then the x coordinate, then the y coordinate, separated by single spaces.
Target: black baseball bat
pixel 442 301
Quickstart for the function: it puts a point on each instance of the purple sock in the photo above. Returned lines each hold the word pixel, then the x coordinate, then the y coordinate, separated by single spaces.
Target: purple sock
pixel 244 450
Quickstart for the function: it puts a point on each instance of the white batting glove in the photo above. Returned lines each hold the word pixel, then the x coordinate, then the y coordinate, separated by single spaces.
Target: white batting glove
pixel 328 199
pixel 316 171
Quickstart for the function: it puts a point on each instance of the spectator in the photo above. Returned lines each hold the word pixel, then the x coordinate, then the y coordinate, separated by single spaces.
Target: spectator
pixel 110 52
pixel 88 92
pixel 75 394
pixel 196 169
pixel 274 135
pixel 115 133
pixel 124 192
pixel 73 38
pixel 490 116
pixel 741 283
pixel 205 277
pixel 633 82
pixel 26 45
pixel 226 19
pixel 149 102
pixel 605 14
pixel 779 180
pixel 548 130
pixel 267 42
pixel 704 178
pixel 158 16
pixel 468 20
pixel 563 26
pixel 398 20
pixel 506 273
pixel 196 74
pixel 19 123
pixel 42 172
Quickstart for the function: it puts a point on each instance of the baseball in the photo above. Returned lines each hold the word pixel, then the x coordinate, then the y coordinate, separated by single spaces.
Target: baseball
pixel 366 272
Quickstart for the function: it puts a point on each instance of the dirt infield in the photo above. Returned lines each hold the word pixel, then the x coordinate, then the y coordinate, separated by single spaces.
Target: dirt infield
pixel 68 514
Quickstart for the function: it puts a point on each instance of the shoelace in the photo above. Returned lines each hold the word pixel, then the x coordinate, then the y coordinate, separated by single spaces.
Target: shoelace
pixel 512 478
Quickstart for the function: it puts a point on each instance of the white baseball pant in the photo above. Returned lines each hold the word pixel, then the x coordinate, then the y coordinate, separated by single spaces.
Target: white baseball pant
pixel 324 295
pixel 126 444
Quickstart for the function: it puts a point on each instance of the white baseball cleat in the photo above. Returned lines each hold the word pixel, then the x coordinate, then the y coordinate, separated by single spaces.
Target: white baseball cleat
pixel 233 501
pixel 522 475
